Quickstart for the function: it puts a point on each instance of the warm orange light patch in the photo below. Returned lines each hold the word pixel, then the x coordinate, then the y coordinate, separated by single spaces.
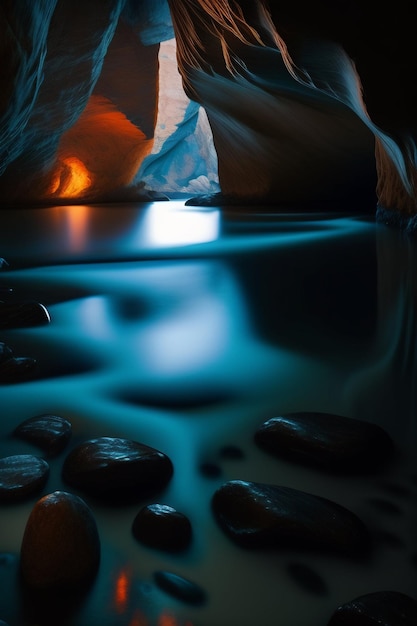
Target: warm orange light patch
pixel 71 180
pixel 121 591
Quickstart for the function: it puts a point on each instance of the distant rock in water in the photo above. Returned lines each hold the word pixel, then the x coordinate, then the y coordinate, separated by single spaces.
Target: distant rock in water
pixel 180 588
pixel 60 547
pixel 21 475
pixel 163 527
pixel 117 469
pixel 382 608
pixel 49 432
pixel 257 515
pixel 331 442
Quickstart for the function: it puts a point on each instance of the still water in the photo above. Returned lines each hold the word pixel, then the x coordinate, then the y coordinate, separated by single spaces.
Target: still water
pixel 185 329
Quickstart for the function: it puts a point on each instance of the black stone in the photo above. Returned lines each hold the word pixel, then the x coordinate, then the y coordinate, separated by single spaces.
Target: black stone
pixel 5 352
pixel 21 475
pixel 307 579
pixel 116 469
pixel 161 526
pixel 331 442
pixel 257 515
pixel 23 314
pixel 181 588
pixel 382 608
pixel 49 432
pixel 210 470
pixel 16 369
pixel 231 452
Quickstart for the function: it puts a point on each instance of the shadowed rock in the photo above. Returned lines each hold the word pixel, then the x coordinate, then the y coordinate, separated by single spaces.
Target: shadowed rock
pixel 117 469
pixel 21 475
pixel 60 547
pixel 257 515
pixel 331 442
pixel 179 587
pixel 23 314
pixel 49 432
pixel 382 608
pixel 16 369
pixel 161 526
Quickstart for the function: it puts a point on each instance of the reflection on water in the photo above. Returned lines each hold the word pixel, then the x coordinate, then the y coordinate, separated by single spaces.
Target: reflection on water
pixel 192 353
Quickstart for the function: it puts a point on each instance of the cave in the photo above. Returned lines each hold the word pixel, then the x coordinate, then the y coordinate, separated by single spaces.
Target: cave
pixel 207 313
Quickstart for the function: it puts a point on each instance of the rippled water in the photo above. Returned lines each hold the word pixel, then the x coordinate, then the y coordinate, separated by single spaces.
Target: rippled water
pixel 185 329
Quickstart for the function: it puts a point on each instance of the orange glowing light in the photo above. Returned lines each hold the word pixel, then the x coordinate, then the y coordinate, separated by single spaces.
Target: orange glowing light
pixel 121 591
pixel 78 179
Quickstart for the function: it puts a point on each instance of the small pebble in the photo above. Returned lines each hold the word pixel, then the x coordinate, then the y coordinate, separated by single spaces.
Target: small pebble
pixel 16 369
pixel 21 475
pixel 180 588
pixel 49 432
pixel 163 527
pixel 382 608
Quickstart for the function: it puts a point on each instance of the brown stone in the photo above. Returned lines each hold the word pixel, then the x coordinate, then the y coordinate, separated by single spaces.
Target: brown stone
pixel 21 475
pixel 49 432
pixel 60 547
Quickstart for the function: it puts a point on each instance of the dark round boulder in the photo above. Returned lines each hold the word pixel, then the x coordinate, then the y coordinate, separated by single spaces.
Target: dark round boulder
pixel 115 469
pixel 49 432
pixel 331 442
pixel 381 608
pixel 60 546
pixel 21 475
pixel 257 515
pixel 163 527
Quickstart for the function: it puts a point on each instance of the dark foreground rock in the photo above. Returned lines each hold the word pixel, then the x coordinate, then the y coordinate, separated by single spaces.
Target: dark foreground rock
pixel 49 432
pixel 180 588
pixel 382 608
pixel 331 442
pixel 21 475
pixel 23 314
pixel 17 369
pixel 163 527
pixel 116 469
pixel 60 547
pixel 257 515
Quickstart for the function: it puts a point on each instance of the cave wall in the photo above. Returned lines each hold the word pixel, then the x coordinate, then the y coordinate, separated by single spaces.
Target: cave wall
pixel 293 96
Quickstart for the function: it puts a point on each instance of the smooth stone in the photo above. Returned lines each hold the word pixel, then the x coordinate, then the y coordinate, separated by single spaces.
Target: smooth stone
pixel 16 369
pixel 23 314
pixel 49 432
pixel 117 469
pixel 163 527
pixel 210 469
pixel 331 442
pixel 5 352
pixel 231 452
pixel 60 546
pixel 21 475
pixel 382 608
pixel 180 588
pixel 257 515
pixel 307 579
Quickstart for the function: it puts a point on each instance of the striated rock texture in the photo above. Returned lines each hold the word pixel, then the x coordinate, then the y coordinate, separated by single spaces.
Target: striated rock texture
pixel 307 103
